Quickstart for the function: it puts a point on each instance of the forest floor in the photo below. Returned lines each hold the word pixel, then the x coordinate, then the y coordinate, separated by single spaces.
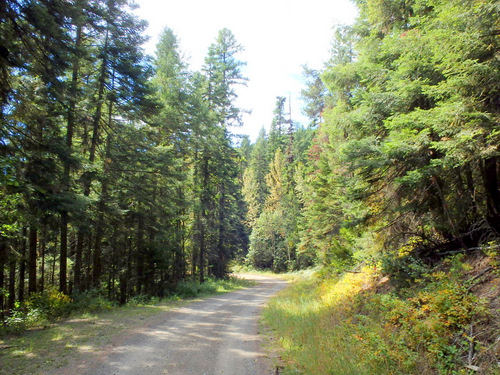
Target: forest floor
pixel 216 335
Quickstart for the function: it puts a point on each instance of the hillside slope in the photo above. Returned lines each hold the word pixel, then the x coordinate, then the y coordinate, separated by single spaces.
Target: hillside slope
pixel 441 320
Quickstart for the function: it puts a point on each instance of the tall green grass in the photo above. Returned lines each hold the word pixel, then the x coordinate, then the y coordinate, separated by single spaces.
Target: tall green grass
pixel 309 320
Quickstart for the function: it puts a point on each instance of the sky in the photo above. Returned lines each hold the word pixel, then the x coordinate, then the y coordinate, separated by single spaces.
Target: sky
pixel 278 37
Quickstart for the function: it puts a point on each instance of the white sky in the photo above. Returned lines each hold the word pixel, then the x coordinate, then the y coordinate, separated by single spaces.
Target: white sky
pixel 279 36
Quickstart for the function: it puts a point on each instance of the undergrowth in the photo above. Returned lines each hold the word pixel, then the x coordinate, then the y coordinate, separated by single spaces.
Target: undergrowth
pixel 40 310
pixel 358 324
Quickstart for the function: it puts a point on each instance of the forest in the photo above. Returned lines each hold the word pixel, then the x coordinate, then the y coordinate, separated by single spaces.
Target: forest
pixel 121 173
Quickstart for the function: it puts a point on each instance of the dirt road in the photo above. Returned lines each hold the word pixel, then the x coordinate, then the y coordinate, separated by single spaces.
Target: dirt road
pixel 216 336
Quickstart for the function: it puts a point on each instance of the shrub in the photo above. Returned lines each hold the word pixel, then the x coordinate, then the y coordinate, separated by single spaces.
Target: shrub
pixel 51 303
pixel 142 300
pixel 21 319
pixel 193 288
pixel 39 310
pixel 404 266
pixel 92 301
pixel 343 326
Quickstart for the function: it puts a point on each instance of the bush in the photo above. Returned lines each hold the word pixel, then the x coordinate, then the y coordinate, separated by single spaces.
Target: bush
pixel 193 288
pixel 92 301
pixel 142 300
pixel 39 310
pixel 353 324
pixel 22 319
pixel 404 267
pixel 51 303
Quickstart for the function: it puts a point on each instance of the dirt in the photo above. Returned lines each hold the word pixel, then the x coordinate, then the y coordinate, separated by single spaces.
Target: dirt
pixel 215 336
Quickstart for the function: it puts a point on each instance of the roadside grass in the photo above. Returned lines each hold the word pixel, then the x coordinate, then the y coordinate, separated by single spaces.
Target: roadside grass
pixel 357 324
pixel 45 349
pixel 306 331
pixel 290 276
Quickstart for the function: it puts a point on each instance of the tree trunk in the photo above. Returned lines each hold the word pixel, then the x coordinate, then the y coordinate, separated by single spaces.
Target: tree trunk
pixel 96 129
pixel 220 266
pixel 204 218
pixel 12 281
pixel 125 278
pixel 22 264
pixel 70 129
pixel 471 188
pixel 96 258
pixel 140 255
pixel 151 273
pixel 3 262
pixel 201 255
pixel 43 249
pixel 491 188
pixel 88 263
pixel 77 281
pixel 53 271
pixel 63 255
pixel 32 258
pixel 96 275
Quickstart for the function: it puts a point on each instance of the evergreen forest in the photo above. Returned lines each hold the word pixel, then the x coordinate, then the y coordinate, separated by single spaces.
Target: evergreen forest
pixel 122 174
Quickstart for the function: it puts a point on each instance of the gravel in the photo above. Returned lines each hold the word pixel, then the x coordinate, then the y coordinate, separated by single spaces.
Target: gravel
pixel 215 336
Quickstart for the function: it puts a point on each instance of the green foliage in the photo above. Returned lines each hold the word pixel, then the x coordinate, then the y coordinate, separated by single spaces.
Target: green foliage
pixel 404 267
pixel 274 237
pixel 342 326
pixel 142 300
pixel 51 303
pixel 405 149
pixel 91 301
pixel 39 310
pixel 21 319
pixel 120 167
pixel 192 288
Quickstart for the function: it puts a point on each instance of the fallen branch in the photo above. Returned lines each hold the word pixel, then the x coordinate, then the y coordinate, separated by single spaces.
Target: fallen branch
pixel 481 274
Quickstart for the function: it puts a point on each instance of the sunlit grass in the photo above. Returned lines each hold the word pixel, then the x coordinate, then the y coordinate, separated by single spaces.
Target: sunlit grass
pixel 291 276
pixel 315 329
pixel 343 326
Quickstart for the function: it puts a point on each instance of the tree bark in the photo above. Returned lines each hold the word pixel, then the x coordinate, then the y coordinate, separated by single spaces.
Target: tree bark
pixel 32 258
pixel 22 264
pixel 3 262
pixel 43 250
pixel 140 254
pixel 96 129
pixel 12 281
pixel 204 217
pixel 70 129
pixel 63 256
pixel 491 188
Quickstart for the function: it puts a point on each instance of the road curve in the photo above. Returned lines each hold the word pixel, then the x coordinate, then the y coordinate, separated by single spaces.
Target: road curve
pixel 215 336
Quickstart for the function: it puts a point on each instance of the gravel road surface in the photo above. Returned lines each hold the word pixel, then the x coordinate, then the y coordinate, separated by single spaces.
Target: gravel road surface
pixel 215 336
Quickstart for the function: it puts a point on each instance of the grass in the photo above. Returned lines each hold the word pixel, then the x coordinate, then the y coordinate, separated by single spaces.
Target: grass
pixel 84 336
pixel 307 330
pixel 355 324
pixel 291 276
